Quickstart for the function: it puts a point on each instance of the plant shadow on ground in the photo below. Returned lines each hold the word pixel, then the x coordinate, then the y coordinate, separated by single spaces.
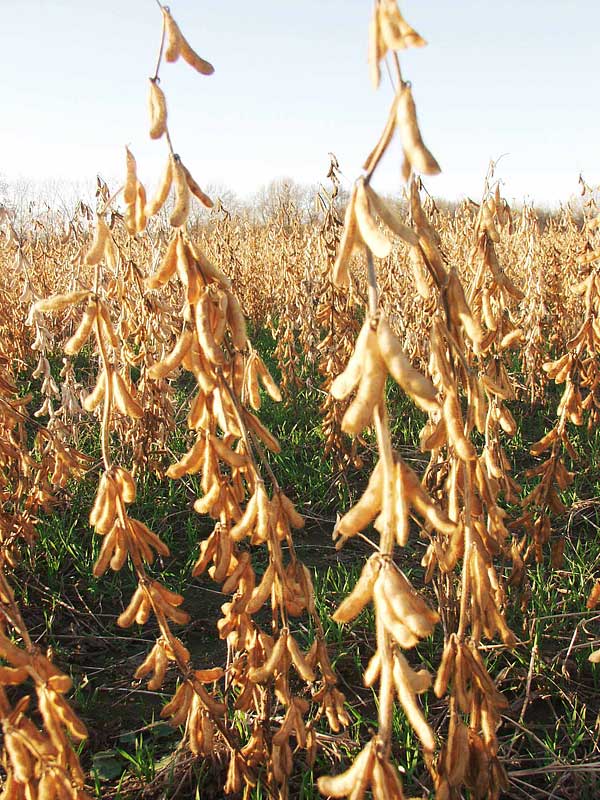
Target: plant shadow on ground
pixel 549 734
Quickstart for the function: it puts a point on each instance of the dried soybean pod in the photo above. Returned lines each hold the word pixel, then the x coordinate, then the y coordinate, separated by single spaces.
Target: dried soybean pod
pixel 419 156
pixel 227 455
pixel 167 267
pixel 95 397
pixel 79 338
pixel 203 328
pixel 173 359
pixel 416 385
pixel 343 785
pixel 267 380
pixel 157 105
pixel 191 462
pixel 350 237
pixel 398 34
pixel 370 233
pixel 376 52
pixel 408 604
pixel 262 674
pixel 459 304
pixel 245 524
pixel 235 577
pixel 422 502
pixel 220 315
pixel 370 389
pixel 457 754
pixel 408 701
pixel 181 210
pixel 196 190
pixel 299 660
pixel 162 191
pixel 105 499
pixel 208 269
pixel 237 321
pixel 390 219
pixel 126 484
pixel 262 591
pixel 193 59
pixel 140 208
pixel 263 433
pixel 388 614
pixel 362 593
pixel 19 758
pixel 177 45
pixel 454 427
pixel 251 388
pixel 174 37
pixel 544 443
pixel 130 188
pixel 126 619
pixel 373 670
pixel 187 272
pixel 101 234
pixel 222 558
pixel 347 381
pixel 60 301
pixel 382 144
pixel 511 339
pixel 295 519
pixel 124 399
pixel 366 509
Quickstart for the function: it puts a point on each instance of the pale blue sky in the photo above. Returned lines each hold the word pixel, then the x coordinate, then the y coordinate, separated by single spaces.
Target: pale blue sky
pixel 291 83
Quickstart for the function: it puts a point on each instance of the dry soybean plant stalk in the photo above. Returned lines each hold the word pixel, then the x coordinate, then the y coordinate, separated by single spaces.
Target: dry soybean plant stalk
pixel 577 369
pixel 469 525
pixel 213 345
pixel 535 309
pixel 467 361
pixel 41 761
pixel 125 537
pixel 336 316
pixel 402 617
pixel 229 453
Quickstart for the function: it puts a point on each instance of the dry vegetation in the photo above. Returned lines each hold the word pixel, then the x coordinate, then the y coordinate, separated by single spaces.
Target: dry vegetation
pixel 431 617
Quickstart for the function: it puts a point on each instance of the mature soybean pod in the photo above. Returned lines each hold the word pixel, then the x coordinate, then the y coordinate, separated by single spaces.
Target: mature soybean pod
pixel 350 237
pixel 171 361
pixel 205 335
pixel 390 219
pixel 419 156
pixel 342 785
pixel 366 509
pixel 416 385
pixel 347 381
pixel 95 397
pixel 174 37
pixel 167 266
pixel 409 703
pixel 162 191
pixel 194 60
pixel 101 234
pixel 370 389
pixel 79 338
pixel 59 301
pixel 129 190
pixel 196 190
pixel 370 233
pixel 181 209
pixel 358 598
pixel 157 105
